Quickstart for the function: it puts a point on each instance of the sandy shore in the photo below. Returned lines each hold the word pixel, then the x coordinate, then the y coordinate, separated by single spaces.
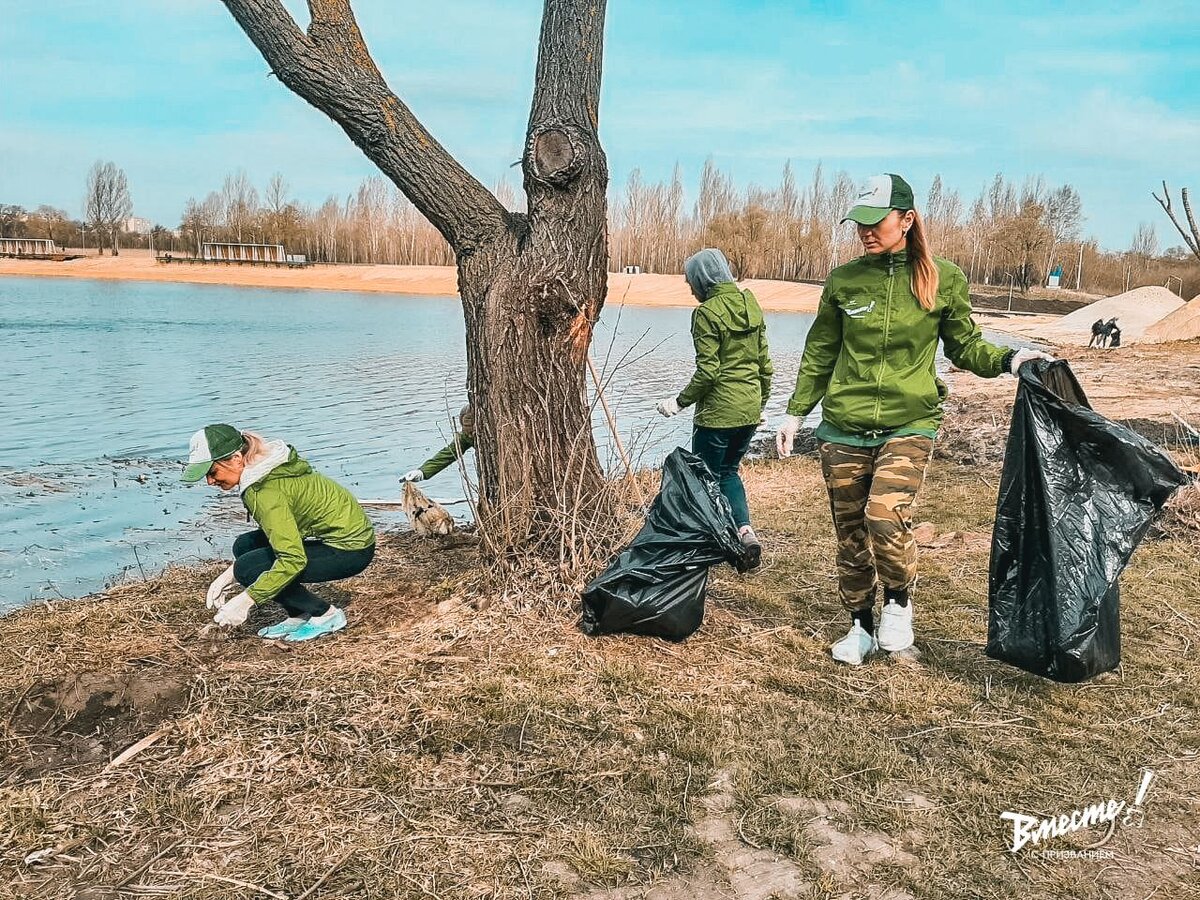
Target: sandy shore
pixel 441 281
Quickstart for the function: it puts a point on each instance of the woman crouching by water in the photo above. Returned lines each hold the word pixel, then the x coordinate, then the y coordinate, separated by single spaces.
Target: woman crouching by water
pixel 310 529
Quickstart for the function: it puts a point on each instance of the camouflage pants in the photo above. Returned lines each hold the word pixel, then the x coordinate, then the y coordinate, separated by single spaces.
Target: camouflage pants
pixel 871 493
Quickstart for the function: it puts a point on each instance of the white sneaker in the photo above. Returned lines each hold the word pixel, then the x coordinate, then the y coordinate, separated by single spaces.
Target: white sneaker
pixel 895 627
pixel 856 646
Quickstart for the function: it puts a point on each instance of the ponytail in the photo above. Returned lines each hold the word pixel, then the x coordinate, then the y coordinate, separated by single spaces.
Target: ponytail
pixel 254 447
pixel 924 271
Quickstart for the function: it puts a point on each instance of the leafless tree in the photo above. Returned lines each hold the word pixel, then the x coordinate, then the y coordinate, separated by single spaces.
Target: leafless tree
pixel 532 285
pixel 1192 240
pixel 106 204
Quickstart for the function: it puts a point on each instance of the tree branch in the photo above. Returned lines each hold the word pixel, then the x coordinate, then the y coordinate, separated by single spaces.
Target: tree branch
pixel 564 120
pixel 1192 240
pixel 331 68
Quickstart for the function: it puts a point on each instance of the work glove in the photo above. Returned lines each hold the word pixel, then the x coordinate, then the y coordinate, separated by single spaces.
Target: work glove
pixel 216 591
pixel 668 407
pixel 414 475
pixel 235 611
pixel 1024 355
pixel 786 435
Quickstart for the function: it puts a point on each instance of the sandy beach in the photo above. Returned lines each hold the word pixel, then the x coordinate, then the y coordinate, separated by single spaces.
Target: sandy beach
pixel 140 265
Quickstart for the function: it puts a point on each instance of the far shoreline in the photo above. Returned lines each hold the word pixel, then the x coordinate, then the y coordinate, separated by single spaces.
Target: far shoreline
pixel 645 289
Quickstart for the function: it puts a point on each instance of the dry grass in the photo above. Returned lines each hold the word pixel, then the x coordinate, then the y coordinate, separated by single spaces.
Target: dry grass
pixel 453 743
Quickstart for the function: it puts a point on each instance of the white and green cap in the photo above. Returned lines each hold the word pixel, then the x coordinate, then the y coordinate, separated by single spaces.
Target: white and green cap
pixel 877 197
pixel 209 444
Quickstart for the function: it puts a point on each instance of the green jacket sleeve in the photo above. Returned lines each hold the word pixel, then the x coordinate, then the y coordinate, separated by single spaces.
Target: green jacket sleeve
pixel 821 350
pixel 765 369
pixel 273 516
pixel 962 337
pixel 449 454
pixel 706 336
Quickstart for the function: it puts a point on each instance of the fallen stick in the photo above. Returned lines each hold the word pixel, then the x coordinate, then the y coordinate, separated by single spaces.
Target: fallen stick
pixel 320 881
pixel 148 741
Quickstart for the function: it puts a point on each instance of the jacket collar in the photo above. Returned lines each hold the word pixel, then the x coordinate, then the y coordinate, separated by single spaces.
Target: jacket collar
pixel 887 260
pixel 277 454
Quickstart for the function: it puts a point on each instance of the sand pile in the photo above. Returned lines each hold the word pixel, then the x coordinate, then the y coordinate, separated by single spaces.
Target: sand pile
pixel 1181 325
pixel 1135 312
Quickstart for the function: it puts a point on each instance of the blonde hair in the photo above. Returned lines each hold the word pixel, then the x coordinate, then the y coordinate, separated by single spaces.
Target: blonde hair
pixel 254 447
pixel 924 271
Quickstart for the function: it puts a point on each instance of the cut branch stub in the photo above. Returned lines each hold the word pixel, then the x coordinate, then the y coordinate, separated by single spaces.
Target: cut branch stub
pixel 556 154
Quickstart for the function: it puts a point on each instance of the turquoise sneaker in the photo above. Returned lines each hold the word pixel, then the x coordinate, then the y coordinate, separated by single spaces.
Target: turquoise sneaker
pixel 280 629
pixel 334 620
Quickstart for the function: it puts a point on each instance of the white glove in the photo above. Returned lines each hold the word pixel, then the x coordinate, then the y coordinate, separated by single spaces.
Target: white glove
pixel 668 407
pixel 235 611
pixel 787 434
pixel 214 598
pixel 414 475
pixel 1024 355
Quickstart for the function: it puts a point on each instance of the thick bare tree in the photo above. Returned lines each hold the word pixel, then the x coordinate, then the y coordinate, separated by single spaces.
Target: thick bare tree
pixel 532 285
pixel 1192 240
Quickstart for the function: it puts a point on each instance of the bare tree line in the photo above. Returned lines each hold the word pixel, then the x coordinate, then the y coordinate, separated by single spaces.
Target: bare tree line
pixel 1009 233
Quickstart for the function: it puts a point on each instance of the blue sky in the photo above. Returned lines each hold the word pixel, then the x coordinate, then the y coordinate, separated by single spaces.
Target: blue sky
pixel 1103 96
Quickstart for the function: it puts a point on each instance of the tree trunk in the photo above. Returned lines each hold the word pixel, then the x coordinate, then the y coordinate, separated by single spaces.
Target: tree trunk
pixel 532 285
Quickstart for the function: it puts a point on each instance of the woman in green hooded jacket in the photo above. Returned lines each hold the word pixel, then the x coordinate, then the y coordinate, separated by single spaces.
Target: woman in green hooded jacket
pixel 731 383
pixel 310 529
pixel 869 359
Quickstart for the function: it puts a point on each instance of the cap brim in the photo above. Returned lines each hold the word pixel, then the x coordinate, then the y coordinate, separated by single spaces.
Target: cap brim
pixel 195 472
pixel 867 215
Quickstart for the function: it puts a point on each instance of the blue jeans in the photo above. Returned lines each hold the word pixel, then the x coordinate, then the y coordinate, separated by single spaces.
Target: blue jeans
pixel 722 450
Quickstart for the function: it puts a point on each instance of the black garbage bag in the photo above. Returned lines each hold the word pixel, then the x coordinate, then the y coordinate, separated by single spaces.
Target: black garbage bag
pixel 656 585
pixel 1076 496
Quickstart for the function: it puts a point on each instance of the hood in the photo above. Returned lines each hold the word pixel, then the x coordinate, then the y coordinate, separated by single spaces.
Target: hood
pixel 705 270
pixel 737 310
pixel 281 460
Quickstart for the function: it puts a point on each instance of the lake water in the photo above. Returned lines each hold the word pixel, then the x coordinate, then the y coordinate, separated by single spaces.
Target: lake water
pixel 104 382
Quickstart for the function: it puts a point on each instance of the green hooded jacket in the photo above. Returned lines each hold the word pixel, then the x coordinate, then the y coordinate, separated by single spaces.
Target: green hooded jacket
pixel 292 502
pixel 733 368
pixel 870 352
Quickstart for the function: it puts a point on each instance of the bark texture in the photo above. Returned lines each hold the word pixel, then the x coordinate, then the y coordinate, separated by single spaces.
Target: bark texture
pixel 532 285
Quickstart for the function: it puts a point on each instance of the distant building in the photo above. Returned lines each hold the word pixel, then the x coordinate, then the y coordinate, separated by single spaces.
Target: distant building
pixel 138 225
pixel 222 252
pixel 27 247
pixel 632 270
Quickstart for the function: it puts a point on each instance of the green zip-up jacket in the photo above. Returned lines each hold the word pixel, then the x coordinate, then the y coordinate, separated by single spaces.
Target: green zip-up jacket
pixel 870 352
pixel 449 454
pixel 733 368
pixel 292 502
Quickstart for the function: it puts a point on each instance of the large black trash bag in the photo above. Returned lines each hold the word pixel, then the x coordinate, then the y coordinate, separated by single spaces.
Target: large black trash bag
pixel 656 585
pixel 1076 496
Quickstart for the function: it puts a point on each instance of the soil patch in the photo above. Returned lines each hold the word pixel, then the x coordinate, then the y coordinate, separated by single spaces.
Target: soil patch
pixel 87 718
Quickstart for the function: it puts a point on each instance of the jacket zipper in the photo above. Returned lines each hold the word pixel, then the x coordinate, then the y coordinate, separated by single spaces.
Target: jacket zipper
pixel 887 330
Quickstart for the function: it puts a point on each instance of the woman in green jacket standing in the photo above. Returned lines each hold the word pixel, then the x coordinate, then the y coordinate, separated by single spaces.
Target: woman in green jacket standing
pixel 870 360
pixel 310 529
pixel 732 380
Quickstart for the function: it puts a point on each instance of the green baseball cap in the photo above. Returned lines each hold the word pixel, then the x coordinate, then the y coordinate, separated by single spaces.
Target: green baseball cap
pixel 878 196
pixel 209 444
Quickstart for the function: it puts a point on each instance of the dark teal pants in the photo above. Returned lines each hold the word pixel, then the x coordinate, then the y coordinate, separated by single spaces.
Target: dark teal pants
pixel 722 450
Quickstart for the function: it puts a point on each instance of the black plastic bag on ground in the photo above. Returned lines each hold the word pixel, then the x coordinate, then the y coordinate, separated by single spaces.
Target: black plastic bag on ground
pixel 656 586
pixel 1076 496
